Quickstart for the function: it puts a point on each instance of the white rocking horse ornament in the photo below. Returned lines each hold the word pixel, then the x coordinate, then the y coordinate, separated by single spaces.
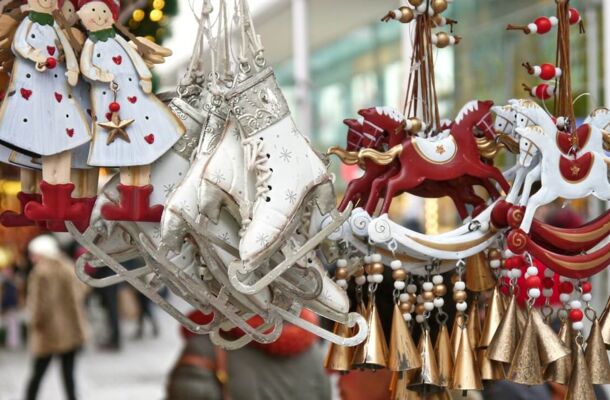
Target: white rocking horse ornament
pixel 561 176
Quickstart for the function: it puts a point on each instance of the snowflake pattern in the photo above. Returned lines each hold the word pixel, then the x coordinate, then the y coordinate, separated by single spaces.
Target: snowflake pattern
pixel 291 196
pixel 168 189
pixel 156 233
pixel 218 176
pixel 224 236
pixel 285 155
pixel 262 240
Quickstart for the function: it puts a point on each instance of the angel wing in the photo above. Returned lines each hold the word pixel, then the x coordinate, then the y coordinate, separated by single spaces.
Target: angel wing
pixel 157 55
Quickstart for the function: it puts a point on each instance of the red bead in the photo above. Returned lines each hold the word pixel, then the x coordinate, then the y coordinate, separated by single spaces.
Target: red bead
pixel 510 263
pixel 566 287
pixel 542 91
pixel 547 71
pixel 586 287
pixel 574 16
pixel 51 63
pixel 548 283
pixel 114 107
pixel 543 24
pixel 576 315
pixel 533 282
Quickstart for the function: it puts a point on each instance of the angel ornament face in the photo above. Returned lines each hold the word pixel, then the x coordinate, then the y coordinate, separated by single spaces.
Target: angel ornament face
pixel 133 128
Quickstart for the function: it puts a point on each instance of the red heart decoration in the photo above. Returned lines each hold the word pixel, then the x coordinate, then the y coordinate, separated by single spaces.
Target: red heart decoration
pixel 26 93
pixel 117 60
pixel 132 100
pixel 70 132
pixel 58 97
pixel 51 50
pixel 150 139
pixel 108 116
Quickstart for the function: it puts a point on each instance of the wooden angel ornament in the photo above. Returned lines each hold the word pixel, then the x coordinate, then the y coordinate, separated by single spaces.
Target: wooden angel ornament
pixel 133 128
pixel 40 117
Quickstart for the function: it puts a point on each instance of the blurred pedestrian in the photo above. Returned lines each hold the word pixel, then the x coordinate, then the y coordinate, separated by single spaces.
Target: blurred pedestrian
pixel 10 308
pixel 55 303
pixel 290 368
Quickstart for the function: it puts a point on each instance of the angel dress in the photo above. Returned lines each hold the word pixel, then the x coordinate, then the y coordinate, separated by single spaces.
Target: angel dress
pixel 154 130
pixel 40 116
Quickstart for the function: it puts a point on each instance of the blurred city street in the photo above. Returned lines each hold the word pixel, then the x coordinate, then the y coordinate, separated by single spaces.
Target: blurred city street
pixel 137 372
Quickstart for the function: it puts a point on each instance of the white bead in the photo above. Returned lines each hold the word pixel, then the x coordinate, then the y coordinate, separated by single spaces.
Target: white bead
pixel 434 39
pixel 451 40
pixel 508 253
pixel 557 72
pixel 367 259
pixel 461 306
pixel 526 275
pixel 429 306
pixel 577 326
pixel 397 14
pixel 549 273
pixel 399 285
pixel 515 273
pixel 377 278
pixel 534 293
pixel 376 258
pixel 575 304
pixel 411 288
pixel 547 292
pixel 495 264
pixel 533 27
pixel 439 302
pixel 554 20
pixel 396 264
pixel 341 263
pixel 419 318
pixel 420 299
pixel 408 317
pixel 532 271
pixel 484 224
pixel 537 70
pixel 428 286
pixel 422 7
pixel 587 297
pixel 342 283
pixel 360 280
pixel 504 273
pixel 459 285
pixel 564 297
pixel 369 278
pixel 404 297
pixel 437 279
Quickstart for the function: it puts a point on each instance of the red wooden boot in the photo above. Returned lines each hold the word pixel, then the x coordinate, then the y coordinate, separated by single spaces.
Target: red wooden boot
pixel 12 219
pixel 60 226
pixel 57 204
pixel 134 206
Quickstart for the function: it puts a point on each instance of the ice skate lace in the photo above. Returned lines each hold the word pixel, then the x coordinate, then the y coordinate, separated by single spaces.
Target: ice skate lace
pixel 256 161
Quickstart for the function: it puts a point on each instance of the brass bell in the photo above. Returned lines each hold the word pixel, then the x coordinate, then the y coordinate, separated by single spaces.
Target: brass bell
pixel 427 379
pixel 604 323
pixel 339 358
pixel 474 324
pixel 444 356
pixel 580 386
pixel 506 338
pixel 597 356
pixel 559 371
pixel 551 348
pixel 525 367
pixel 466 373
pixel 403 352
pixel 373 352
pixel 490 370
pixel 479 277
pixel 493 316
pixel 456 333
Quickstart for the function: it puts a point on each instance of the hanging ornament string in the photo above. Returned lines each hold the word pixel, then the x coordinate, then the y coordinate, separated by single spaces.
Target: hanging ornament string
pixel 250 41
pixel 197 60
pixel 563 105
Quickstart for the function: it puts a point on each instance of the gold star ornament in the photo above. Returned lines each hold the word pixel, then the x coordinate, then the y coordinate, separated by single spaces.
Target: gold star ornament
pixel 440 149
pixel 116 128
